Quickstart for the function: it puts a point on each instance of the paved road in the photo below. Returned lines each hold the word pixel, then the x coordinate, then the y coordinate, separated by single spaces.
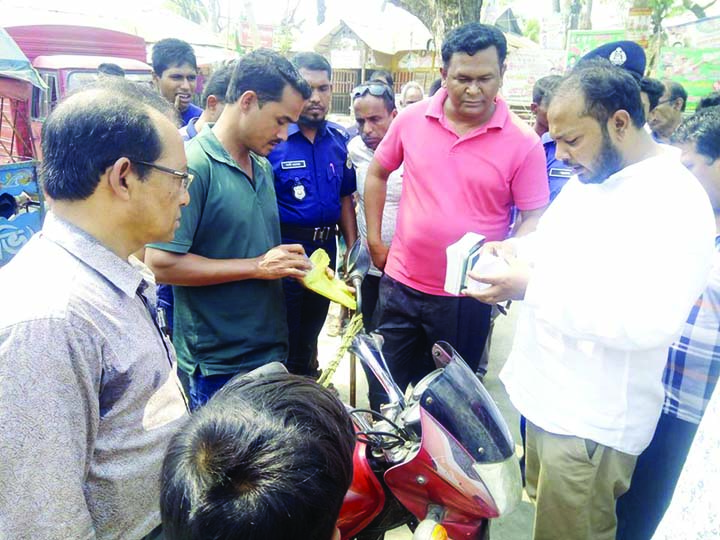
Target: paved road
pixel 518 524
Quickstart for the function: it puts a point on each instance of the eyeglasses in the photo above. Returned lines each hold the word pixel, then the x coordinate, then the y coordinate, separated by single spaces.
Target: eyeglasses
pixel 374 89
pixel 185 177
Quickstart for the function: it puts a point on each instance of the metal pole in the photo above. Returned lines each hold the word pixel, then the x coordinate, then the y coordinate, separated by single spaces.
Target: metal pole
pixel 353 380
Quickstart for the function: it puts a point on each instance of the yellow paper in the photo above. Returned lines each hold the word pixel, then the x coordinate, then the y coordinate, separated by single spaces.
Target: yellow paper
pixel 318 281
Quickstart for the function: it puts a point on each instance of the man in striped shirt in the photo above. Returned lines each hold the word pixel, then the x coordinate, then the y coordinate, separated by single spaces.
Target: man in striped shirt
pixel 693 360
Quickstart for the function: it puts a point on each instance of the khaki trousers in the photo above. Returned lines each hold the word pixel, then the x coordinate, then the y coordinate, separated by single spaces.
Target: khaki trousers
pixel 574 483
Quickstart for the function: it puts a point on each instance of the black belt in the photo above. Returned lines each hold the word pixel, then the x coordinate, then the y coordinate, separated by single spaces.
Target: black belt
pixel 319 235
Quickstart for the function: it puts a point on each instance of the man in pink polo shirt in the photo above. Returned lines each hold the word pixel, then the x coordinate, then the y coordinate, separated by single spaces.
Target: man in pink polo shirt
pixel 467 161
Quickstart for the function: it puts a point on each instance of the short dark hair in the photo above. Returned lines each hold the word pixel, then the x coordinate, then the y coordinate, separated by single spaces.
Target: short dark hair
pixel 266 73
pixel 711 100
pixel 544 86
pixel 677 91
pixel 435 86
pixel 218 83
pixel 108 68
pixel 93 128
pixel 170 52
pixel 654 90
pixel 606 89
pixel 383 76
pixel 702 128
pixel 388 96
pixel 471 38
pixel 266 457
pixel 312 61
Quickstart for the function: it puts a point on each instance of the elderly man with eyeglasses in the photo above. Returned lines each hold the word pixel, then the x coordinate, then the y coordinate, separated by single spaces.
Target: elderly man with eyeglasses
pixel 89 396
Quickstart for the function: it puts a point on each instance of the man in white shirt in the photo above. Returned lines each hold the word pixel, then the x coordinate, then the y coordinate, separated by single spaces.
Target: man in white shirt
pixel 608 279
pixel 374 108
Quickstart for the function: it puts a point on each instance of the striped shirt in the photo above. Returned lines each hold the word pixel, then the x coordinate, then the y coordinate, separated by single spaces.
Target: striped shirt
pixel 693 363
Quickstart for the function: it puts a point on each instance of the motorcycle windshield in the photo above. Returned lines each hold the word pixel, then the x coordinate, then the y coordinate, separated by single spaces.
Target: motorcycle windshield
pixel 460 403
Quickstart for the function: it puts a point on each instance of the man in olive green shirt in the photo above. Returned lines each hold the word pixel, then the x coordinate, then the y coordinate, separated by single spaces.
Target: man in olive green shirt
pixel 226 260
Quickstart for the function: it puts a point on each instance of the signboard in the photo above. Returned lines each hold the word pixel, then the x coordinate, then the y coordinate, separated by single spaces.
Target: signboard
pixel 23 217
pixel 638 26
pixel 581 42
pixel 698 70
pixel 524 67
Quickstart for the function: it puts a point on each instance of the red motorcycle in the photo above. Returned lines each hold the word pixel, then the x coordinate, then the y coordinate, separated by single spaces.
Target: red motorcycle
pixel 441 461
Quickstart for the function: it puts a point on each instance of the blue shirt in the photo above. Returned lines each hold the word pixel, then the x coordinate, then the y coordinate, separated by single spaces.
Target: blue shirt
pixel 193 111
pixel 558 173
pixel 311 178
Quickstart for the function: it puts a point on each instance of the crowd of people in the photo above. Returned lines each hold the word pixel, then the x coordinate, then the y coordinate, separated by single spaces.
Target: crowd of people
pixel 169 271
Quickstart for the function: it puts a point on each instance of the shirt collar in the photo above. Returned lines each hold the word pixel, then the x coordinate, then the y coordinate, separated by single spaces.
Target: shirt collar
pixel 214 148
pixel 191 129
pixel 294 129
pixel 497 120
pixel 92 253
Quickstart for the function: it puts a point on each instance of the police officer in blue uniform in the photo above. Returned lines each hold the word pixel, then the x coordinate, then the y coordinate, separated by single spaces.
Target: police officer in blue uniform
pixel 314 184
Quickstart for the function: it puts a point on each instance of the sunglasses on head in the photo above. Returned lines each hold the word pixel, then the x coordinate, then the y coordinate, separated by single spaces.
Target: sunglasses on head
pixel 374 89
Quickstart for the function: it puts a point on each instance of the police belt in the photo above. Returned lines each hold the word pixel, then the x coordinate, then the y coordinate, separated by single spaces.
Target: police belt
pixel 318 235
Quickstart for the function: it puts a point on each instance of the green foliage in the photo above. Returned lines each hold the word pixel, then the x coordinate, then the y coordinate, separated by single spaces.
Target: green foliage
pixel 532 30
pixel 193 10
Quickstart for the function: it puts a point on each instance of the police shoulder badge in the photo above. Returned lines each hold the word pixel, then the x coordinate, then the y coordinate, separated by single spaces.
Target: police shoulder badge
pixel 618 57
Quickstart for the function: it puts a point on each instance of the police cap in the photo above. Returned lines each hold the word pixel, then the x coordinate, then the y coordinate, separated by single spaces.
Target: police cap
pixel 625 54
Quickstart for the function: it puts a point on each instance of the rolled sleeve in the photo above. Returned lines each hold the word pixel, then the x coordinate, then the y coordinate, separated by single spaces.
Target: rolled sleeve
pixel 349 181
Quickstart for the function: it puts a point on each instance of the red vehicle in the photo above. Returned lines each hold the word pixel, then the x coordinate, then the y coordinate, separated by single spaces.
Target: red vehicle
pixel 67 58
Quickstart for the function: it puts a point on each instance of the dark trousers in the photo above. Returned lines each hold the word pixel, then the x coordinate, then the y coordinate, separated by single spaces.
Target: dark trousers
pixel 411 322
pixel 640 510
pixel 370 291
pixel 306 314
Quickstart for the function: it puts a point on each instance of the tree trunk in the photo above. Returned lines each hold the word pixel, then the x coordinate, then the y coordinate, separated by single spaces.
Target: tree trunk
pixel 586 15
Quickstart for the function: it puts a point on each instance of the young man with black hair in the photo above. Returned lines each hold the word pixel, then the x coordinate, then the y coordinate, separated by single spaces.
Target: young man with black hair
pixel 667 114
pixel 467 159
pixel 268 457
pixel 214 100
pixel 314 183
pixel 693 361
pixel 607 281
pixel 226 261
pixel 175 75
pixel 89 393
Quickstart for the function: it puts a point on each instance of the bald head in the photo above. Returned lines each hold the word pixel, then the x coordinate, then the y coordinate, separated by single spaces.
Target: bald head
pixel 93 128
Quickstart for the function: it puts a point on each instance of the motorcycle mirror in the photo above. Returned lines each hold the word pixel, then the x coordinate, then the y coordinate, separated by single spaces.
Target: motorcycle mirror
pixel 366 348
pixel 443 353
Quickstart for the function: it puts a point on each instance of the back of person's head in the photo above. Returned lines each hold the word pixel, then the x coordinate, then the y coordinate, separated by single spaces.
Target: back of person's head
pixel 435 86
pixel 654 90
pixel 543 87
pixel 312 61
pixel 218 83
pixel 677 91
pixel 266 458
pixel 606 89
pixel 383 76
pixel 471 38
pixel 91 129
pixel 110 69
pixel 703 129
pixel 266 73
pixel 711 100
pixel 172 52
